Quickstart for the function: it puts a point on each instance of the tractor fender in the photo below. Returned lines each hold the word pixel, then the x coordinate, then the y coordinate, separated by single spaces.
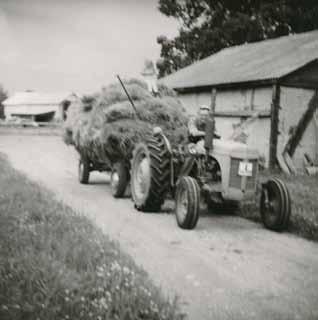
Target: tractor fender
pixel 224 164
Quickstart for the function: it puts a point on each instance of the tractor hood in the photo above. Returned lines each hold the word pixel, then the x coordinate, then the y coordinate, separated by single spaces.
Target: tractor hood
pixel 234 149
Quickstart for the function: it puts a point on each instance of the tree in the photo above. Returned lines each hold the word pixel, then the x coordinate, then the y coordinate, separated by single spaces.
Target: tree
pixel 207 26
pixel 3 96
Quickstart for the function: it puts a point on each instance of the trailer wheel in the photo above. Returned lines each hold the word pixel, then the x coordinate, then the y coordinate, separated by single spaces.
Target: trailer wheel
pixel 150 175
pixel 275 205
pixel 83 170
pixel 119 179
pixel 187 203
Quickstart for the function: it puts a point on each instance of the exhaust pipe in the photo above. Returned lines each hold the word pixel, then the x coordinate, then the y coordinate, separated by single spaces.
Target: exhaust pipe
pixel 210 125
pixel 209 134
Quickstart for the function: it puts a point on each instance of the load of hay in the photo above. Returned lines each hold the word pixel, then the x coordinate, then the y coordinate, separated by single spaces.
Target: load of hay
pixel 105 128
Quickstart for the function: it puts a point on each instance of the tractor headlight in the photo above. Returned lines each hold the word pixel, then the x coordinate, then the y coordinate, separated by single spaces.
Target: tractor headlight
pixel 157 131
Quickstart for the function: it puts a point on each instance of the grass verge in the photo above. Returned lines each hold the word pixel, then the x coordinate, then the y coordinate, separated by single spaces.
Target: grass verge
pixel 304 195
pixel 55 264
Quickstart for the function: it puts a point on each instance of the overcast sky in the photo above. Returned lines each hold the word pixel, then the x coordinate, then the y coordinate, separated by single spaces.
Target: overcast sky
pixel 77 45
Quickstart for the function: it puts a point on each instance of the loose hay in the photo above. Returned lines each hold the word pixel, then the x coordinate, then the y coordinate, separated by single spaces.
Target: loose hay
pixel 105 128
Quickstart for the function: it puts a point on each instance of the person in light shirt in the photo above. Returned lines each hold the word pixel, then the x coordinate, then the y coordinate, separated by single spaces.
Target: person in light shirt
pixel 197 124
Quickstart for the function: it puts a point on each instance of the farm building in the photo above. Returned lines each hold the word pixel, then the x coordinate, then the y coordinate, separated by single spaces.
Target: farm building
pixel 38 106
pixel 271 85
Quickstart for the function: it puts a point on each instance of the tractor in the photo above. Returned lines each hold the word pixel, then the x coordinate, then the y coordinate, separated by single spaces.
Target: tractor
pixel 223 172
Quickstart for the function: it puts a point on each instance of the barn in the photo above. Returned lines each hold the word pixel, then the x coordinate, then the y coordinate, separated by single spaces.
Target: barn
pixel 271 86
pixel 38 106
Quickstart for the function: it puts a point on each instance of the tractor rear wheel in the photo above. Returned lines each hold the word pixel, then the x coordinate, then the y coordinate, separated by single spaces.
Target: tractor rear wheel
pixel 187 203
pixel 83 170
pixel 275 205
pixel 150 174
pixel 119 179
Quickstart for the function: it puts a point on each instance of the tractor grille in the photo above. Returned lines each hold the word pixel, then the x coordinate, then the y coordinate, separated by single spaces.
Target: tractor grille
pixel 236 180
pixel 251 181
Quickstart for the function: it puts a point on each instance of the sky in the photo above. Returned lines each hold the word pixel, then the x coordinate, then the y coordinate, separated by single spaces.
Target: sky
pixel 77 45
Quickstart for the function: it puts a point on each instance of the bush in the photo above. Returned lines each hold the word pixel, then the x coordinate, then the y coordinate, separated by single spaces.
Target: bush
pixel 55 264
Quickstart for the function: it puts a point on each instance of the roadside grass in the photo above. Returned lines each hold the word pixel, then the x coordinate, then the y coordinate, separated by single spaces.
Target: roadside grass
pixel 56 264
pixel 304 196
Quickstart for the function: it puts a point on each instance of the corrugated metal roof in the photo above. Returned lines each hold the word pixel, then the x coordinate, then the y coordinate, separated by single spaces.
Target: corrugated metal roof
pixel 259 61
pixel 36 98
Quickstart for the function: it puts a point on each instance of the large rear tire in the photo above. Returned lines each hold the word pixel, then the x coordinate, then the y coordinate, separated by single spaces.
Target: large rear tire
pixel 150 174
pixel 83 170
pixel 275 205
pixel 119 179
pixel 187 207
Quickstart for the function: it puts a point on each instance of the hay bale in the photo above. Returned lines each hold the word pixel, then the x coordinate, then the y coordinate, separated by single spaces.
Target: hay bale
pixel 106 128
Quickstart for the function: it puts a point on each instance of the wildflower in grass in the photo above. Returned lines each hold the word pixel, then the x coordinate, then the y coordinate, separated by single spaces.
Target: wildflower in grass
pixel 115 266
pixel 126 270
pixel 109 297
pixel 100 274
pixel 103 303
pixel 146 311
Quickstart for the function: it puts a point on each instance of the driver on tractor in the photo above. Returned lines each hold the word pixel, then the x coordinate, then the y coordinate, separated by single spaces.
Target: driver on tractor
pixel 197 125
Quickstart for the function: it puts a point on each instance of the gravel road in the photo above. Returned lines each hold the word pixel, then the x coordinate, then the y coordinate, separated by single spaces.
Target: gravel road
pixel 227 268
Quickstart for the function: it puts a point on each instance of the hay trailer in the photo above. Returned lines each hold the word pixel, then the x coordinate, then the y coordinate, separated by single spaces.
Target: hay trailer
pixel 96 159
pixel 222 172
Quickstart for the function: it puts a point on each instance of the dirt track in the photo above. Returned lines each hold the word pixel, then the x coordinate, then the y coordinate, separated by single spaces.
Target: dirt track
pixel 227 268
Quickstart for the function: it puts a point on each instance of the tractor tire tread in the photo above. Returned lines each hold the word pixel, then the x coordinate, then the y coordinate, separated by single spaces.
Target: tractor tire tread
pixel 193 210
pixel 84 174
pixel 160 172
pixel 282 220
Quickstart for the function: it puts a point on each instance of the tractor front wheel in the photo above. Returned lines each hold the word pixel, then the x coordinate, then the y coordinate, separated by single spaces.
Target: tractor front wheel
pixel 275 205
pixel 119 179
pixel 187 203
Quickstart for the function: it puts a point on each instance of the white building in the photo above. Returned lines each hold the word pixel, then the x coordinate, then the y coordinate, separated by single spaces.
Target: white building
pixel 38 106
pixel 276 79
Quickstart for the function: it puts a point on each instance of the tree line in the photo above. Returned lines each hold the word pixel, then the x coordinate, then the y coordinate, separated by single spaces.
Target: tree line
pixel 207 26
